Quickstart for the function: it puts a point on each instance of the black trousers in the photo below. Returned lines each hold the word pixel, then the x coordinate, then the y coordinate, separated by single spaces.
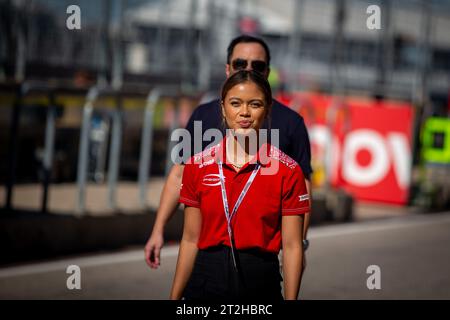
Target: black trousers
pixel 215 278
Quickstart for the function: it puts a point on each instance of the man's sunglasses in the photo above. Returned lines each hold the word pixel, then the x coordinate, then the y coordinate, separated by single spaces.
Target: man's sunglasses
pixel 257 65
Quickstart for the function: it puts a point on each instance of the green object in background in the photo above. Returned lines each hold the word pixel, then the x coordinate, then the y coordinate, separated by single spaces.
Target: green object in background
pixel 274 78
pixel 158 118
pixel 436 140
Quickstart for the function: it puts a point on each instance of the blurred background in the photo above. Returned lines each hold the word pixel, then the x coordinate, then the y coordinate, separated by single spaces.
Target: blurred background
pixel 90 92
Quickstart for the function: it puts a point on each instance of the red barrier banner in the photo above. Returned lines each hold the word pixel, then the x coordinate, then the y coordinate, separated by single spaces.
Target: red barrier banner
pixel 361 145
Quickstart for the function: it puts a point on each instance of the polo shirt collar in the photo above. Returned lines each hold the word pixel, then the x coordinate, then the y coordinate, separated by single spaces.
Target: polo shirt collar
pixel 262 156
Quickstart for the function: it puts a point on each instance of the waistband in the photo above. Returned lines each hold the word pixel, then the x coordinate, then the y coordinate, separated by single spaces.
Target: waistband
pixel 221 252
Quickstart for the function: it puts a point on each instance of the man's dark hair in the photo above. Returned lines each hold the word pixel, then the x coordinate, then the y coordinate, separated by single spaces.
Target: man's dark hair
pixel 247 39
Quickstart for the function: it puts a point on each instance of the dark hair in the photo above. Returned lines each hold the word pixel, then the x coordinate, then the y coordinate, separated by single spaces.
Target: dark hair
pixel 244 76
pixel 247 39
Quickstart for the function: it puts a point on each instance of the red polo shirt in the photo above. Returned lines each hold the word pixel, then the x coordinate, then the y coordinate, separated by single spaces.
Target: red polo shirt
pixel 278 190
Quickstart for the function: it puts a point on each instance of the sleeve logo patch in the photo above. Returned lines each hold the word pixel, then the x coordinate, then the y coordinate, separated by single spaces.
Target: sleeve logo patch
pixel 303 197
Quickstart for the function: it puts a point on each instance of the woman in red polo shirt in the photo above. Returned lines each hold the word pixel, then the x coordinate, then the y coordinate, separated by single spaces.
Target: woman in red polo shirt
pixel 244 199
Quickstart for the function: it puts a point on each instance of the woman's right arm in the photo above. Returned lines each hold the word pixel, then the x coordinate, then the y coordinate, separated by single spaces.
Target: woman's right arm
pixel 188 251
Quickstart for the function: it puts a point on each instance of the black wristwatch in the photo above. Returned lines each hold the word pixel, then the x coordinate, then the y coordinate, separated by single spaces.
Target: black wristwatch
pixel 305 244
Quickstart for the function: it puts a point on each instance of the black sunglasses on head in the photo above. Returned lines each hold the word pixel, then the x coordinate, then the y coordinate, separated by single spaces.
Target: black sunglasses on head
pixel 257 65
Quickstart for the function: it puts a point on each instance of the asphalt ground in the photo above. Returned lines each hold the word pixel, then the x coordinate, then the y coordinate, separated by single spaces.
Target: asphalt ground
pixel 411 251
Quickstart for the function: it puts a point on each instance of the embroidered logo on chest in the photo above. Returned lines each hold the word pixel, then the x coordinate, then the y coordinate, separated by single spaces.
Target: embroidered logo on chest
pixel 211 180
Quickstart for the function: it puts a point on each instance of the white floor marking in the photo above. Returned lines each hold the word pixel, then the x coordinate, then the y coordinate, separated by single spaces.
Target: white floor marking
pixel 172 250
pixel 83 262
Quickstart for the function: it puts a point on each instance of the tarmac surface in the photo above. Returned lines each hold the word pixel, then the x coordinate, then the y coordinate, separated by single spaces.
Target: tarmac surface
pixel 411 251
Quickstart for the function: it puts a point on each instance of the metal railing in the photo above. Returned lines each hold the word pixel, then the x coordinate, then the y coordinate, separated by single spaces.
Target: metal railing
pixel 92 96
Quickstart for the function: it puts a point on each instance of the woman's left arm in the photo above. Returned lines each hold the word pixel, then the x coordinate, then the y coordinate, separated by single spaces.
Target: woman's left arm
pixel 292 236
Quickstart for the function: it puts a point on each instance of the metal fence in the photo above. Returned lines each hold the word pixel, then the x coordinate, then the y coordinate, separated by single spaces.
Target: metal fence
pixel 112 139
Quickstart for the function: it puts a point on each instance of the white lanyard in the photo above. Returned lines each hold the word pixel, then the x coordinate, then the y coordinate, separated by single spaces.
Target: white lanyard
pixel 237 204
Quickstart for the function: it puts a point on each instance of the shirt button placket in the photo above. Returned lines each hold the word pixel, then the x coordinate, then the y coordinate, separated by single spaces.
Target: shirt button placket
pixel 237 186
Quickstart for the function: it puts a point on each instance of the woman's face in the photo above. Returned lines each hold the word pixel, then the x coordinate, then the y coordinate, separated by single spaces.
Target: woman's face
pixel 244 108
